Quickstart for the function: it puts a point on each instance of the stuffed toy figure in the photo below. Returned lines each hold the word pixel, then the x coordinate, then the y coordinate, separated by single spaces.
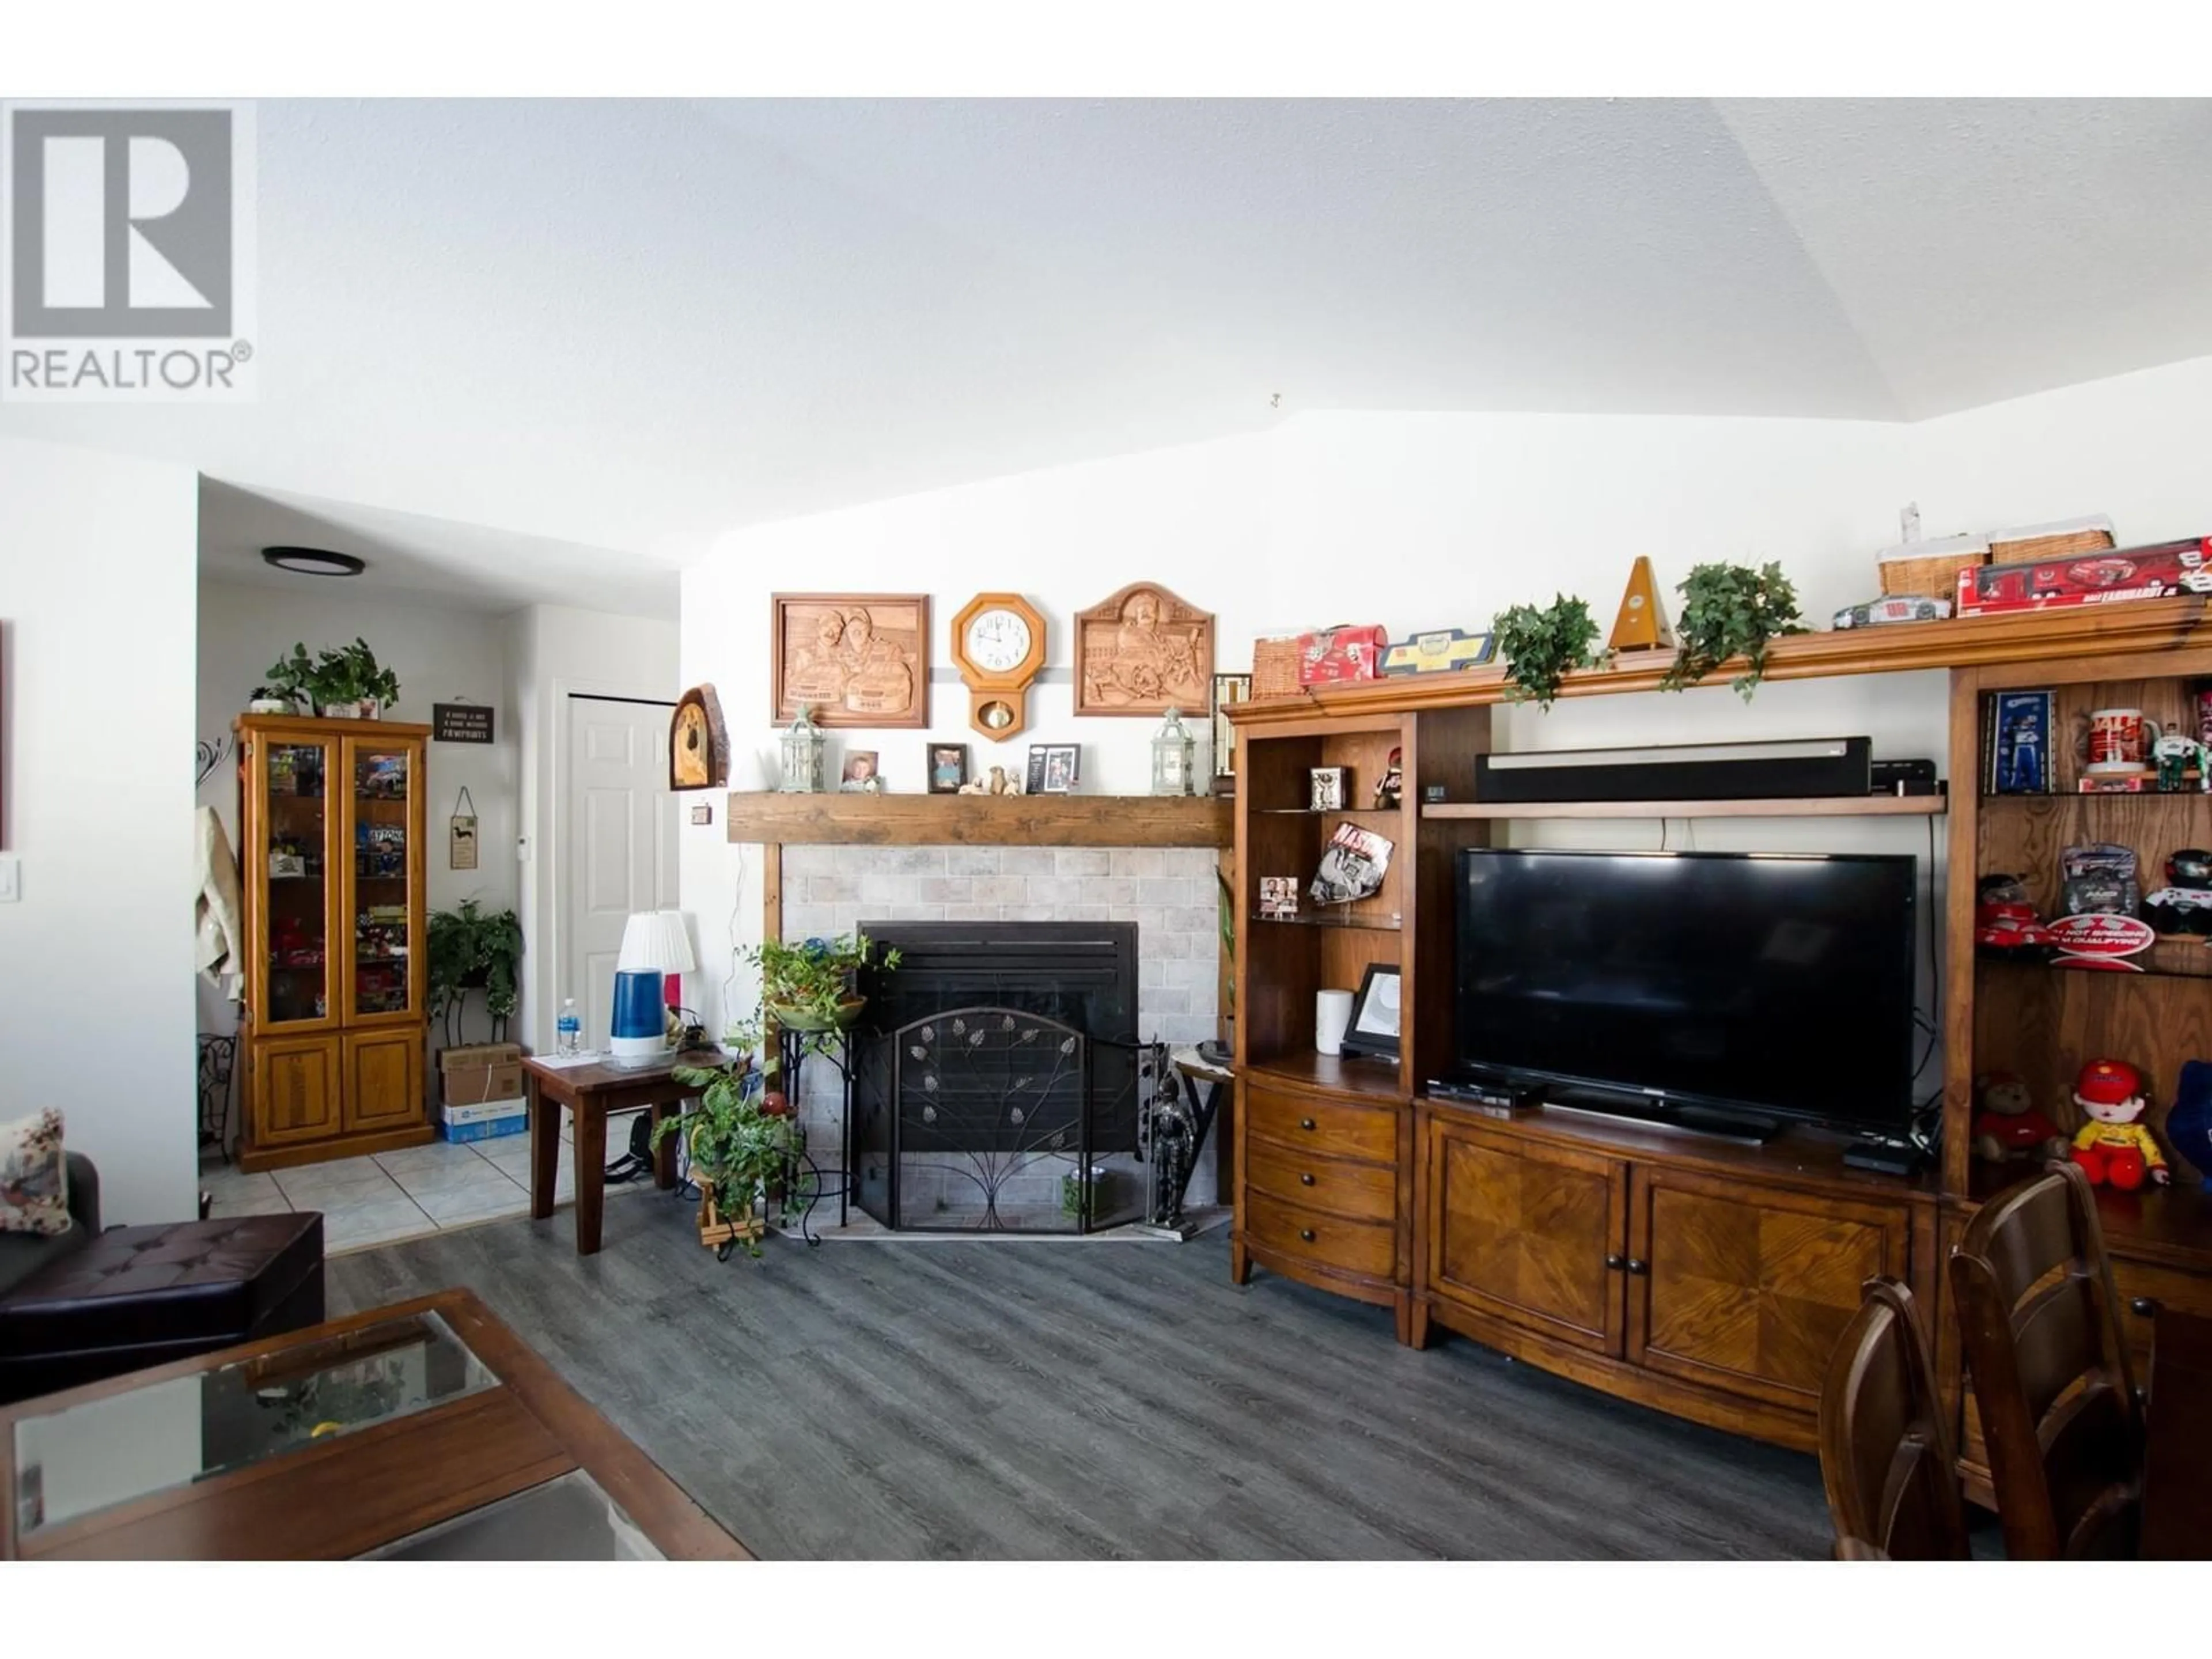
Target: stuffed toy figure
pixel 2006 1126
pixel 2112 1147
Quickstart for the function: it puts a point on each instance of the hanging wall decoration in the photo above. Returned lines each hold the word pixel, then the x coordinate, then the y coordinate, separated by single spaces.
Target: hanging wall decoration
pixel 854 659
pixel 698 745
pixel 1143 652
pixel 461 843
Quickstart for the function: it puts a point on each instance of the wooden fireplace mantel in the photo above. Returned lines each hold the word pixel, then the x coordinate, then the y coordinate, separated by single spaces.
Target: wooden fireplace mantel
pixel 775 819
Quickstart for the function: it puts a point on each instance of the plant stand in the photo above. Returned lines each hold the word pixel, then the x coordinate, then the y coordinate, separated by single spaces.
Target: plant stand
pixel 722 1233
pixel 837 1048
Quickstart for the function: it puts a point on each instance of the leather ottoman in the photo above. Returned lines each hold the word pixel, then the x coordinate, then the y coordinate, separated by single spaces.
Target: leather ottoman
pixel 136 1296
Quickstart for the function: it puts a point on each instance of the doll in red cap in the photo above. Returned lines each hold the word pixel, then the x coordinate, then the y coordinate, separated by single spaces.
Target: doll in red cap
pixel 2113 1146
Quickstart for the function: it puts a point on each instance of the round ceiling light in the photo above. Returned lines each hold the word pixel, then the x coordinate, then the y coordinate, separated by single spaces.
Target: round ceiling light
pixel 313 561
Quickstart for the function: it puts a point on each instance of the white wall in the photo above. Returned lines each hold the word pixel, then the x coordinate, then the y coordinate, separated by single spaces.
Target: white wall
pixel 441 653
pixel 95 961
pixel 1432 520
pixel 553 651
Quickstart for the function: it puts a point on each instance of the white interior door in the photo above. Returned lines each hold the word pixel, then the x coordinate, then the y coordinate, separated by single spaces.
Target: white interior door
pixel 620 843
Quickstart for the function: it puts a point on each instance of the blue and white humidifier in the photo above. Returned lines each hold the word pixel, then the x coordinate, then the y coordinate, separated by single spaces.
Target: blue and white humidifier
pixel 655 944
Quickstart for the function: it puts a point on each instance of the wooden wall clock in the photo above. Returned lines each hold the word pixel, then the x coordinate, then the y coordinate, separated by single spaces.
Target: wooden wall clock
pixel 997 640
pixel 698 743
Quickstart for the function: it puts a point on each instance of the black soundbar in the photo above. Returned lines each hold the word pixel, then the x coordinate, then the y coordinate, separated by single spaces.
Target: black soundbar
pixel 1705 771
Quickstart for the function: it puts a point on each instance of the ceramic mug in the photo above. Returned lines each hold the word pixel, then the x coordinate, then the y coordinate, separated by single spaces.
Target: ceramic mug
pixel 2119 738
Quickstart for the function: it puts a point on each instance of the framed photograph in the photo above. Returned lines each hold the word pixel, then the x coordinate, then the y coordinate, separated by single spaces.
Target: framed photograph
pixel 854 659
pixel 948 768
pixel 2019 760
pixel 1278 898
pixel 1055 768
pixel 1330 785
pixel 860 773
pixel 1229 690
pixel 1373 1032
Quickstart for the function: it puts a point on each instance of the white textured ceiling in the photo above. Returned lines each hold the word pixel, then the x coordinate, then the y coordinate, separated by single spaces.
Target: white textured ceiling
pixel 631 325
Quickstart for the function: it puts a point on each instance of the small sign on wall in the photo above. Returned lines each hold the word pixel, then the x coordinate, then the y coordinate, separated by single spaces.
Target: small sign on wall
pixel 461 846
pixel 461 722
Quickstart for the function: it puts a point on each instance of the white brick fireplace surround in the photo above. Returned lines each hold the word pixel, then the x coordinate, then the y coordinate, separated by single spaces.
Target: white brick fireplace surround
pixel 1169 892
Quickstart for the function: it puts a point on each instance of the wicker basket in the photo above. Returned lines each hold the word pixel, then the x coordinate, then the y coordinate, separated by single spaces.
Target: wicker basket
pixel 1935 578
pixel 2063 546
pixel 1275 667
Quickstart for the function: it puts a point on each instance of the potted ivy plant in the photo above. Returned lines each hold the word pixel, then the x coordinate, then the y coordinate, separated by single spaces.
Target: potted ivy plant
pixel 1730 611
pixel 472 949
pixel 814 987
pixel 745 1143
pixel 345 682
pixel 1541 647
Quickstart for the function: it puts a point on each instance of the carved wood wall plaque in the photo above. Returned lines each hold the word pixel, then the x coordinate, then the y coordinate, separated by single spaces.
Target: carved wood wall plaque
pixel 854 659
pixel 1143 652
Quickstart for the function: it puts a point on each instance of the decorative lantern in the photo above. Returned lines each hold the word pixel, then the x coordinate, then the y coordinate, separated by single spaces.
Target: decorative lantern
pixel 1172 752
pixel 802 756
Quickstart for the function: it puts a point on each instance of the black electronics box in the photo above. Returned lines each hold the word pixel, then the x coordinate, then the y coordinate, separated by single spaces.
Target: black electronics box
pixel 1904 777
pixel 1705 771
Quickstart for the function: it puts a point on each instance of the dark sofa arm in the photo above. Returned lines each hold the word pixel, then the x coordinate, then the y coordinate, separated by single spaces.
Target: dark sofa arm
pixel 83 1191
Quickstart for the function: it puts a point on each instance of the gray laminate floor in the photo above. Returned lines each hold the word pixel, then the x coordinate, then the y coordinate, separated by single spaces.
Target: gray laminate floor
pixel 1031 1401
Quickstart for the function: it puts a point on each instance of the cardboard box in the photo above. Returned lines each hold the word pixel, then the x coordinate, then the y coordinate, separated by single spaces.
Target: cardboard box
pixel 516 1107
pixel 490 1128
pixel 480 1073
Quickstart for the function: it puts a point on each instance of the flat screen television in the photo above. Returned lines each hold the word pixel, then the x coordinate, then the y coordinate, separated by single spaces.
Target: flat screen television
pixel 1694 986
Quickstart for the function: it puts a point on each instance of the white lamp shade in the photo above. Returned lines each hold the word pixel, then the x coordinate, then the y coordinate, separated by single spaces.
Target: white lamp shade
pixel 656 942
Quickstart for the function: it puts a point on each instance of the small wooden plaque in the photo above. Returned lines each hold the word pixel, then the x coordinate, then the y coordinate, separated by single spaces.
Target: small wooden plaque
pixel 1143 652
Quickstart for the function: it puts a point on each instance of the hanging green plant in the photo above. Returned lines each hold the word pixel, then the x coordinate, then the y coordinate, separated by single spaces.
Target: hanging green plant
pixel 1730 611
pixel 1542 648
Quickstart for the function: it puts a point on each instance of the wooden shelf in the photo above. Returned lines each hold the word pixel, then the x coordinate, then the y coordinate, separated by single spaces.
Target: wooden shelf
pixel 2170 957
pixel 2029 636
pixel 1816 807
pixel 1303 1068
pixel 862 820
pixel 1339 922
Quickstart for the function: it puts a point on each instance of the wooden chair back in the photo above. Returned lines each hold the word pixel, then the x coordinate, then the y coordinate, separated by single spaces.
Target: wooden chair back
pixel 1884 1456
pixel 2040 1323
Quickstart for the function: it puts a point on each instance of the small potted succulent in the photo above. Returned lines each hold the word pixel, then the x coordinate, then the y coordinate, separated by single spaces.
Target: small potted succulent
pixel 814 987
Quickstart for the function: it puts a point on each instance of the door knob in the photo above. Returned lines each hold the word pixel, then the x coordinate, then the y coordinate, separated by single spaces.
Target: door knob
pixel 1305 1180
pixel 2144 1306
pixel 1305 1123
pixel 1307 1234
pixel 1636 1264
pixel 1615 1263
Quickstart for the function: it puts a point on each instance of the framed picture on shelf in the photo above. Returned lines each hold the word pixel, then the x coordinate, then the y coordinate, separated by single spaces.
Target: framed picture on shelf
pixel 948 768
pixel 1328 785
pixel 1278 898
pixel 1229 691
pixel 861 772
pixel 1055 768
pixel 1373 1032
pixel 2017 756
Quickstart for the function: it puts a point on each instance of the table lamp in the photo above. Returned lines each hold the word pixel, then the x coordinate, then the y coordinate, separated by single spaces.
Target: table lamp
pixel 654 943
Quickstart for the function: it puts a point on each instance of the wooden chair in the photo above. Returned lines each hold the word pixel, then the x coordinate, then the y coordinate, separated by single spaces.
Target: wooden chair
pixel 2040 1325
pixel 1885 1458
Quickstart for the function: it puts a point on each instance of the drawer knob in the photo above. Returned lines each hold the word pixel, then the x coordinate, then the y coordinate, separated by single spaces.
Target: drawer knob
pixel 1306 1233
pixel 1615 1263
pixel 1305 1180
pixel 1638 1265
pixel 2144 1306
pixel 1305 1123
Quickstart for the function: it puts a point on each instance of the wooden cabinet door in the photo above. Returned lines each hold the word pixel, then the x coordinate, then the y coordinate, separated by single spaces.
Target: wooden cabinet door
pixel 383 1081
pixel 1526 1232
pixel 1747 1290
pixel 380 936
pixel 296 1090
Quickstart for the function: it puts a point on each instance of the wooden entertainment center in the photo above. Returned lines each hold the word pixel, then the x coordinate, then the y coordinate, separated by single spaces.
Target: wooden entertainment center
pixel 1705 1277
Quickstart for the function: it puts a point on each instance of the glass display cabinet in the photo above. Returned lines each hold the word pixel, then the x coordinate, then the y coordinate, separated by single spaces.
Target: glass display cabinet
pixel 330 859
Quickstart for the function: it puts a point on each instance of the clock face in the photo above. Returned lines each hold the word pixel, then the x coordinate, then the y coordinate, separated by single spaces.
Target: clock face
pixel 997 641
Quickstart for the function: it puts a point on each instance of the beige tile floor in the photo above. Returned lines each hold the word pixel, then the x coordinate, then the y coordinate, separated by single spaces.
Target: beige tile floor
pixel 389 1196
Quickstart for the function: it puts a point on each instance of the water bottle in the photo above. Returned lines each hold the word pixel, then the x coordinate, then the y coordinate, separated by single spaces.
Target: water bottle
pixel 569 1029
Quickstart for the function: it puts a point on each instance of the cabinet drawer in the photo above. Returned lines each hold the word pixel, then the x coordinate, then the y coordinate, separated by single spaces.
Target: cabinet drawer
pixel 1335 1128
pixel 1359 1192
pixel 2143 1290
pixel 1367 1247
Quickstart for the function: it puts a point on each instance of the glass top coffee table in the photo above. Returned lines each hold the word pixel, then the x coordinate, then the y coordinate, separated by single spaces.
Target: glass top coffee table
pixel 426 1431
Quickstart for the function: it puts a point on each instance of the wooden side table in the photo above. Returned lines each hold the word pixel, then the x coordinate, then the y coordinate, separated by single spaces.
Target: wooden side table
pixel 592 1092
